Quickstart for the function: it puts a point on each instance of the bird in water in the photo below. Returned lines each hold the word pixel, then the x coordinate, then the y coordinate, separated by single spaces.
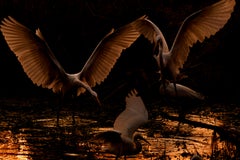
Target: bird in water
pixel 183 91
pixel 195 28
pixel 42 67
pixel 123 140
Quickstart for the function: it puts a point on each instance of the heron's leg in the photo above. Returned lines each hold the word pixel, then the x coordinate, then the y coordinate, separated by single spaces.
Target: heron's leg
pixel 59 107
pixel 73 112
pixel 175 87
pixel 60 103
pixel 58 117
pixel 89 89
pixel 73 118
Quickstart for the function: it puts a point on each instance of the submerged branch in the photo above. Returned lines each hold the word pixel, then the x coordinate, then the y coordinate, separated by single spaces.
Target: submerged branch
pixel 230 135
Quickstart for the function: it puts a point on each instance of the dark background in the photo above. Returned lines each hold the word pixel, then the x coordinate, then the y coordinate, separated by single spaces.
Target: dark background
pixel 73 28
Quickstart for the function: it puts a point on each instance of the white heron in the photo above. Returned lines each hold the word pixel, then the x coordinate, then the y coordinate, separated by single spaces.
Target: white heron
pixel 123 140
pixel 168 88
pixel 196 27
pixel 42 67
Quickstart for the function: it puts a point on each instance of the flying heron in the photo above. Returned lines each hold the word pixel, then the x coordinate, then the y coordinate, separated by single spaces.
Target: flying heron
pixel 123 140
pixel 196 27
pixel 42 67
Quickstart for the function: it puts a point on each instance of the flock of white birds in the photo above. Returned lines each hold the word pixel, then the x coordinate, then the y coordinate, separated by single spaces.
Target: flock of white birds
pixel 42 67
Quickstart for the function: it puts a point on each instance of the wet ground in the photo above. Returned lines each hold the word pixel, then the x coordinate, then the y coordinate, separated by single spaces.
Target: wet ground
pixel 28 131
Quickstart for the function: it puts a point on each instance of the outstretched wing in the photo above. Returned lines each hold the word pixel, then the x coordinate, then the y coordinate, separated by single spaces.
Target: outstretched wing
pixel 196 27
pixel 105 55
pixel 33 53
pixel 132 117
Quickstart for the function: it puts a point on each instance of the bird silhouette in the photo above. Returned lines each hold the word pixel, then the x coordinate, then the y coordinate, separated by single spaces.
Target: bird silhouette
pixel 42 67
pixel 123 140
pixel 195 28
pixel 182 91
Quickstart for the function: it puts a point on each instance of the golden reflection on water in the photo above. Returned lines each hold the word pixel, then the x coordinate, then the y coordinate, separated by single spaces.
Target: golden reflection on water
pixel 13 147
pixel 169 139
pixel 65 121
pixel 195 141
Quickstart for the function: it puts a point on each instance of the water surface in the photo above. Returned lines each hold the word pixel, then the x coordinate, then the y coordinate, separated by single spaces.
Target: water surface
pixel 28 131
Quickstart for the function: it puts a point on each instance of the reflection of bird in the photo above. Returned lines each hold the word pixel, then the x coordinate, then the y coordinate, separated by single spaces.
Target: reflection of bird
pixel 196 27
pixel 123 140
pixel 182 91
pixel 42 67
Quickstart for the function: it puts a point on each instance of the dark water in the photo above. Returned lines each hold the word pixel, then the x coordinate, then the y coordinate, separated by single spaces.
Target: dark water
pixel 28 131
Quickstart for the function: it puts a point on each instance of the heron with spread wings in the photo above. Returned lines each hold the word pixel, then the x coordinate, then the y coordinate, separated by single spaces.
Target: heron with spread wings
pixel 43 68
pixel 195 28
pixel 123 140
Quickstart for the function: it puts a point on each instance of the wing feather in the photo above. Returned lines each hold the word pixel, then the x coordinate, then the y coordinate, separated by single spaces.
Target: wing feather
pixel 33 53
pixel 134 115
pixel 107 52
pixel 196 27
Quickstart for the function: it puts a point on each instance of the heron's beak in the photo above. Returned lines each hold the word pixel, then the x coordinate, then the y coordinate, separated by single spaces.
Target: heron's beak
pixel 98 101
pixel 145 140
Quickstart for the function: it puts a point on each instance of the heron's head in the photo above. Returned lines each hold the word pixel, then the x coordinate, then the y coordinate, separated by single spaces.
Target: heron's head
pixel 108 141
pixel 95 95
pixel 80 90
pixel 139 137
pixel 138 146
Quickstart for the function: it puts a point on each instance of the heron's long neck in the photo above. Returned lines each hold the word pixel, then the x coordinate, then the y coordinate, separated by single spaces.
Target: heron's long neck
pixel 137 145
pixel 137 148
pixel 81 83
pixel 131 148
